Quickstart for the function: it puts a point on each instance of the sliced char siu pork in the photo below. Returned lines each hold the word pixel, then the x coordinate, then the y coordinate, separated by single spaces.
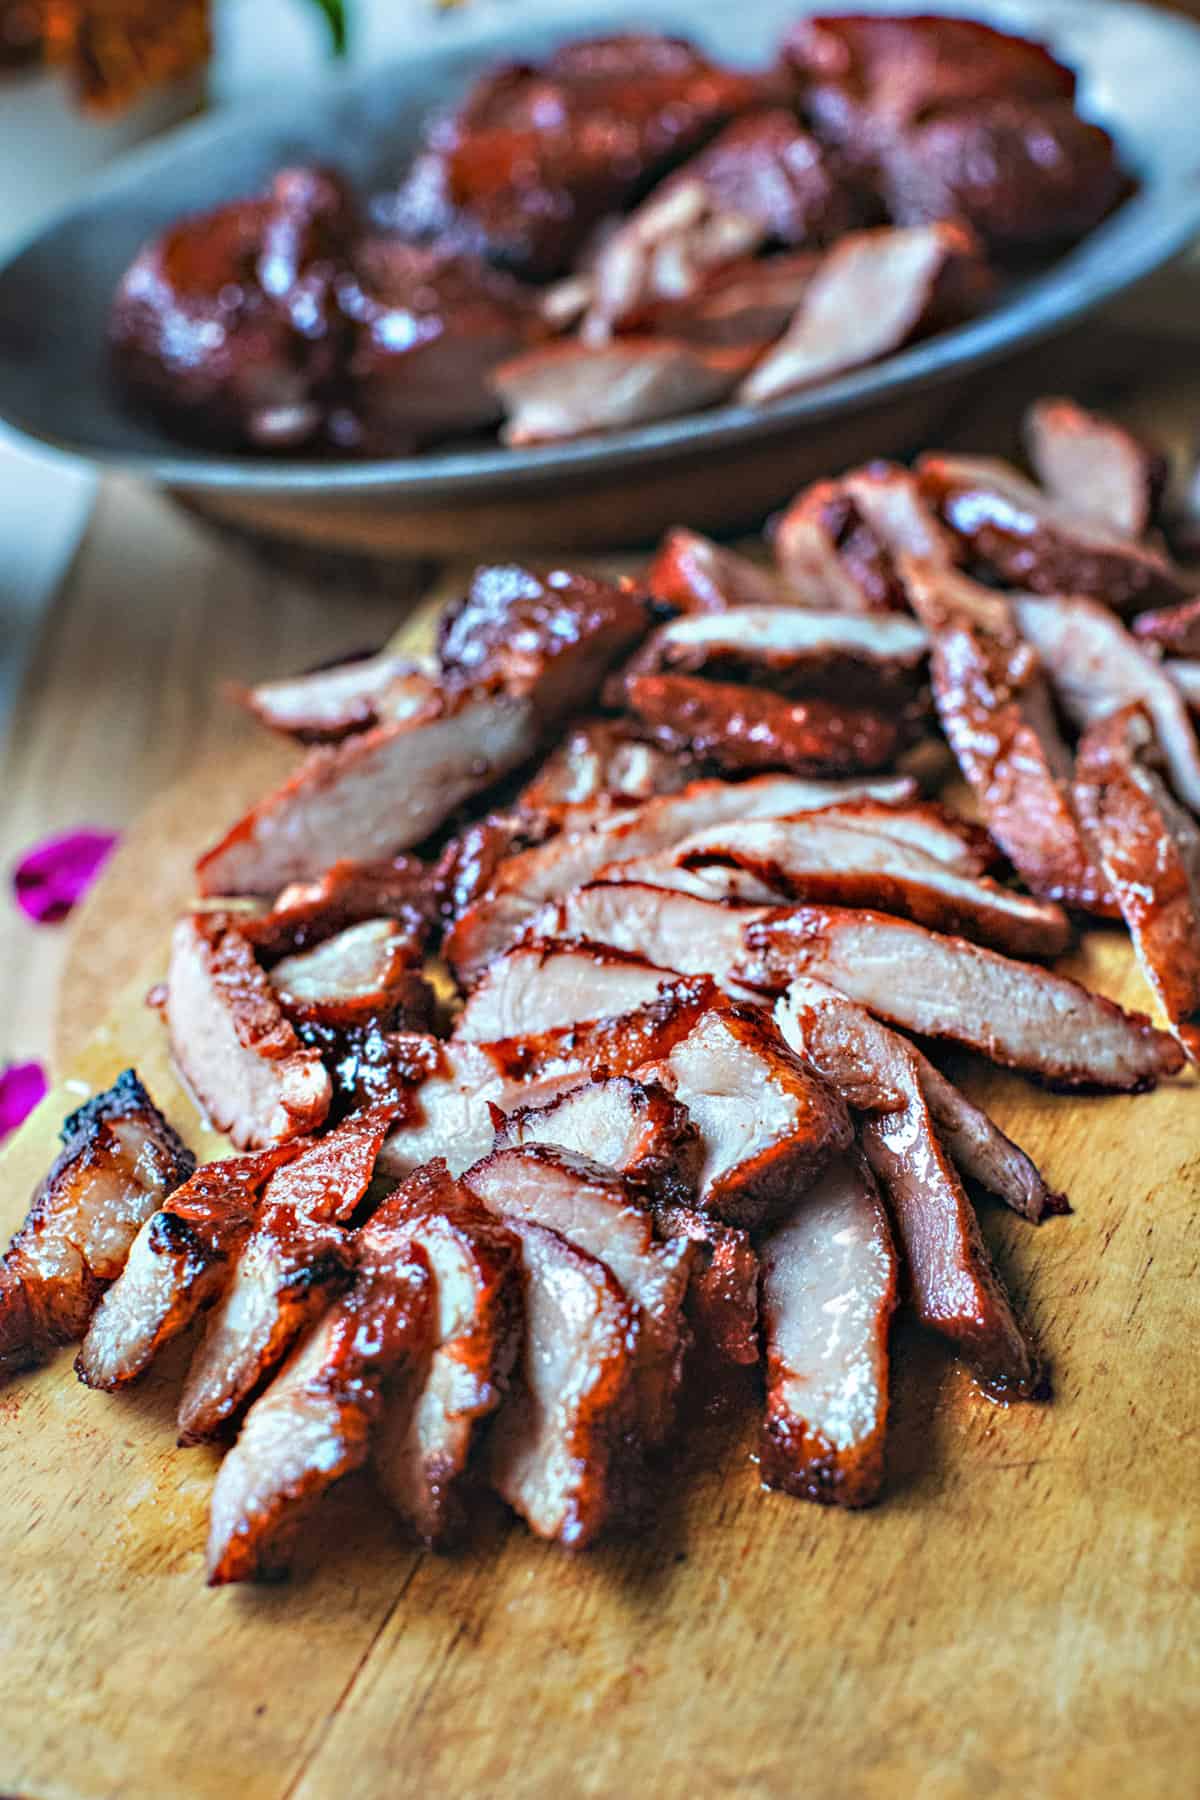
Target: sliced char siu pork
pixel 1095 466
pixel 1032 541
pixel 364 973
pixel 637 1128
pixel 745 730
pixel 793 650
pixel 839 543
pixel 308 913
pixel 571 389
pixel 595 1209
pixel 522 883
pixel 229 1037
pixel 695 575
pixel 297 1257
pixel 438 1402
pixel 995 709
pixel 1175 630
pixel 874 291
pixel 119 1161
pixel 178 1264
pixel 1149 848
pixel 543 985
pixel 314 1422
pixel 955 1289
pixel 1096 666
pixel 829 1283
pixel 979 1148
pixel 331 704
pixel 599 765
pixel 722 1299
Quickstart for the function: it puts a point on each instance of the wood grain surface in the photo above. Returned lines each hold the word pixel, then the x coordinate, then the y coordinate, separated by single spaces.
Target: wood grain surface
pixel 1020 1616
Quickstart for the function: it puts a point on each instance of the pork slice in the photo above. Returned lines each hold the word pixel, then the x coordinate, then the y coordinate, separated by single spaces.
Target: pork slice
pixel 994 707
pixel 307 913
pixel 767 1125
pixel 329 704
pixel 296 1258
pixel 925 825
pixel 1095 466
pixel 1015 1013
pixel 839 542
pixel 744 305
pixel 815 859
pixel 979 1148
pixel 1150 850
pixel 1033 541
pixel 541 985
pixel 745 730
pixel 599 765
pixel 695 575
pixel 875 291
pixel 562 1446
pixel 1175 630
pixel 637 1128
pixel 828 1293
pixel 595 1209
pixel 1097 666
pixel 722 1300
pixel 521 884
pixel 672 930
pixel 365 972
pixel 793 649
pixel 230 1039
pixel 314 1422
pixel 436 1406
pixel 381 791
pixel 955 1289
pixel 118 1162
pixel 570 390
pixel 178 1264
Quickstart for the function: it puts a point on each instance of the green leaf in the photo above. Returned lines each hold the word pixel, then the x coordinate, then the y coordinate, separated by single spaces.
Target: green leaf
pixel 334 14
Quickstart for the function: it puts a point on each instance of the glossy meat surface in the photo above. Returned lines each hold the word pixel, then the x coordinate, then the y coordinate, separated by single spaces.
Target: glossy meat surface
pixel 743 730
pixel 1095 465
pixel 839 542
pixel 637 1128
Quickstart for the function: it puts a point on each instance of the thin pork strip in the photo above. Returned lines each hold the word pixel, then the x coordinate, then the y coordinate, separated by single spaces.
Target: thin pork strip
pixel 179 1263
pixel 791 648
pixel 828 1292
pixel 296 1258
pixel 329 704
pixel 381 791
pixel 314 1423
pixel 238 1053
pixel 979 1148
pixel 1096 666
pixel 118 1162
pixel 1032 541
pixel 1015 1013
pixel 722 1302
pixel 994 707
pixel 308 913
pixel 594 1209
pixel 839 542
pixel 600 764
pixel 696 575
pixel 521 884
pixel 365 973
pixel 569 390
pixel 539 986
pixel 1095 466
pixel 744 730
pixel 637 1128
pixel 955 1289
pixel 1150 849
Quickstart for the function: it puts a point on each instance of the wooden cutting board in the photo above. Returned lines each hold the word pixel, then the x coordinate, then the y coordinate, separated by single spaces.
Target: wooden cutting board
pixel 1018 1617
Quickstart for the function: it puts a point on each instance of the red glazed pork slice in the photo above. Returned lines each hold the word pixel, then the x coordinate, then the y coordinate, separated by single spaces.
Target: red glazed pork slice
pixel 346 893
pixel 695 575
pixel 599 766
pixel 119 1161
pixel 637 1128
pixel 540 986
pixel 1095 466
pixel 744 730
pixel 839 542
pixel 828 1292
pixel 331 703
pixel 722 1301
pixel 793 649
pixel 363 973
pixel 570 390
pixel 671 930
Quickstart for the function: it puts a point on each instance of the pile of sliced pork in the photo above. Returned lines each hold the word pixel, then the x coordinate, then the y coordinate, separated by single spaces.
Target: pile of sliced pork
pixel 671 1113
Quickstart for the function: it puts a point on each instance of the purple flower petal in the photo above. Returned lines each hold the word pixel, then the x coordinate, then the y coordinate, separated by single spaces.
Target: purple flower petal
pixel 22 1085
pixel 52 877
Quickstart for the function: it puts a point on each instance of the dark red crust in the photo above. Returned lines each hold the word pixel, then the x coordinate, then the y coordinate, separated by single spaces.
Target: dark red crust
pixel 742 730
pixel 800 1461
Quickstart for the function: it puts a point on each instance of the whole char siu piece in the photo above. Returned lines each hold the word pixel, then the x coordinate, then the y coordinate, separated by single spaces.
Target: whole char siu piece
pixel 436 1405
pixel 295 1260
pixel 743 730
pixel 594 1209
pixel 308 913
pixel 1028 178
pixel 722 1298
pixel 364 973
pixel 118 1162
pixel 380 792
pixel 536 156
pixel 875 291
pixel 995 709
pixel 1032 541
pixel 329 704
pixel 637 1128
pixel 792 650
pixel 1175 630
pixel 1097 666
pixel 314 1422
pixel 955 1289
pixel 427 325
pixel 829 1282
pixel 521 884
pixel 839 543
pixel 1150 850
pixel 1015 1013
pixel 575 389
pixel 563 1450
pixel 179 1263
pixel 239 1054
pixel 695 575
pixel 601 766
pixel 1095 466
pixel 980 1149
pixel 816 859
